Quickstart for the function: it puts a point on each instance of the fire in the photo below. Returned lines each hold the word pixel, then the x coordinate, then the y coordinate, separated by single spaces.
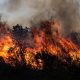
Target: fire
pixel 52 43
pixel 5 44
pixel 8 50
pixel 47 39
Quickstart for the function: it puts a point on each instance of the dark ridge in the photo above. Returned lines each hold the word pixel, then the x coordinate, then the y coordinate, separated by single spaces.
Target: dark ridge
pixel 55 70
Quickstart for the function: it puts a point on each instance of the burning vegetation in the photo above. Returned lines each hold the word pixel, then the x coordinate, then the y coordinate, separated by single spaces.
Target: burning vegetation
pixel 38 47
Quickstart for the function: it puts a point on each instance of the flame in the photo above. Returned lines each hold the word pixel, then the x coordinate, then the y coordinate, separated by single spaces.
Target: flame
pixel 8 50
pixel 52 43
pixel 47 38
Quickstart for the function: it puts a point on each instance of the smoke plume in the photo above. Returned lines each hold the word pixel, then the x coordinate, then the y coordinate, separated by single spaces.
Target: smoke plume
pixel 66 11
pixel 29 12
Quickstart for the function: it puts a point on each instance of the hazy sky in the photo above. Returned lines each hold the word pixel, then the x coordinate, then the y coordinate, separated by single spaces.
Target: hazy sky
pixel 16 11
pixel 21 11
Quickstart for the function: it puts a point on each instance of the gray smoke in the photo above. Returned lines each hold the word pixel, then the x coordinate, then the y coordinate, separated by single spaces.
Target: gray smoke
pixel 17 12
pixel 29 12
pixel 66 11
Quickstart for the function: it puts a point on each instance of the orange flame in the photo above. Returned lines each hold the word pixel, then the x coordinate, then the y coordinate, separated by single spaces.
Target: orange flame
pixel 47 38
pixel 53 43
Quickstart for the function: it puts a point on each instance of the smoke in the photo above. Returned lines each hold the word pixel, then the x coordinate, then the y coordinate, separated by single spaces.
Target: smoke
pixel 66 11
pixel 17 12
pixel 29 12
